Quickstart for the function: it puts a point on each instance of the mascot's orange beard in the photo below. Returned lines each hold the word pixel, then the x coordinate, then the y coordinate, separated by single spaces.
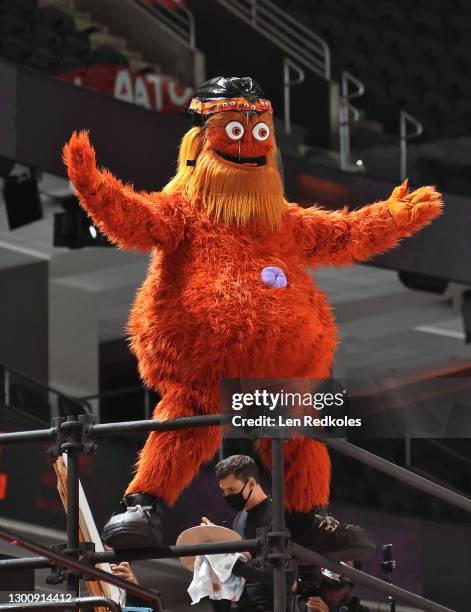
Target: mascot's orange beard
pixel 234 193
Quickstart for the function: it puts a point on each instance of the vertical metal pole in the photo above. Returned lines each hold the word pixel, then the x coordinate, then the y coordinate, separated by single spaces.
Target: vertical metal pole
pixel 344 134
pixel 403 146
pixel 147 414
pixel 253 11
pixel 191 27
pixel 327 59
pixel 347 112
pixel 404 119
pixel 286 105
pixel 73 453
pixel 287 84
pixel 6 381
pixel 408 451
pixel 278 524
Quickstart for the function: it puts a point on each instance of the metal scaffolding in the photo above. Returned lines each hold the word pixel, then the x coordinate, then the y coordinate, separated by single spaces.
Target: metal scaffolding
pixel 272 547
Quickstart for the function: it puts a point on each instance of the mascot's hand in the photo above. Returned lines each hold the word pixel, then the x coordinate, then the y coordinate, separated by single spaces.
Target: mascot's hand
pixel 79 157
pixel 416 207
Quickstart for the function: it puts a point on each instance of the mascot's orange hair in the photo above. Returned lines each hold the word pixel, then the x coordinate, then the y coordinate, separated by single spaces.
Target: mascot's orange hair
pixel 204 312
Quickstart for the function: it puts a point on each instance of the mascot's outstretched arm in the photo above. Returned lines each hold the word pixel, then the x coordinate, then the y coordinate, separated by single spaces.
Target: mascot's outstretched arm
pixel 130 219
pixel 343 237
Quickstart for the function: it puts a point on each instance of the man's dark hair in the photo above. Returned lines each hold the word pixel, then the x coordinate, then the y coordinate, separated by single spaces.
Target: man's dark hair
pixel 242 466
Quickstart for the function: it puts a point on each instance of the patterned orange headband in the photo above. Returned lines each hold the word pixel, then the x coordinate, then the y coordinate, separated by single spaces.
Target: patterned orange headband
pixel 229 104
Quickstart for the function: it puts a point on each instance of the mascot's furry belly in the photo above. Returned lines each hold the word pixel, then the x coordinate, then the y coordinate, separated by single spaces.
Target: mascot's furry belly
pixel 195 324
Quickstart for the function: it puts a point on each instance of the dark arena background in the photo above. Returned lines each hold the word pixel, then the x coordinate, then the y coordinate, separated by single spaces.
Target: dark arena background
pixel 366 93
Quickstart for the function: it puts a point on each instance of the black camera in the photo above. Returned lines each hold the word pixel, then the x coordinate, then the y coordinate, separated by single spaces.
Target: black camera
pixel 308 584
pixel 311 581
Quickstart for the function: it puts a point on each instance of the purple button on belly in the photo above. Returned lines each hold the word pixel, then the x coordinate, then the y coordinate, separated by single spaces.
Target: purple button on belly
pixel 273 276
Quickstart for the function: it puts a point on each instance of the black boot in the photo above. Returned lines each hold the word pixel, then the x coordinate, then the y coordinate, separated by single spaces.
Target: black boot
pixel 139 526
pixel 328 536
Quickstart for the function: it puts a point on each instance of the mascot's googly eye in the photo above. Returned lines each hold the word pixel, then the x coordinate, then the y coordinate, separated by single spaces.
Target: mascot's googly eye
pixel 235 130
pixel 261 131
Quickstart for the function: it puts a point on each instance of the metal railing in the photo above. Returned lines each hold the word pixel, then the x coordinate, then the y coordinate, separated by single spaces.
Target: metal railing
pixel 289 65
pixel 293 37
pixel 347 114
pixel 406 119
pixel 16 386
pixel 272 546
pixel 449 453
pixel 76 568
pixel 179 20
pixel 148 402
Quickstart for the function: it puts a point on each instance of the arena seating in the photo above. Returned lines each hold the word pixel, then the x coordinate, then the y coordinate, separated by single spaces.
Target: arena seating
pixel 423 53
pixel 55 37
pixel 412 56
pixel 46 38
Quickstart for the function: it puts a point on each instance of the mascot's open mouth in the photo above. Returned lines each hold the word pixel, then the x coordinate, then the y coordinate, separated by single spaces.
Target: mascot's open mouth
pixel 246 161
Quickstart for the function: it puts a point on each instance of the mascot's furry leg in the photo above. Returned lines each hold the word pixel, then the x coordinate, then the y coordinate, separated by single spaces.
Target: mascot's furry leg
pixel 167 464
pixel 307 485
pixel 307 472
pixel 170 460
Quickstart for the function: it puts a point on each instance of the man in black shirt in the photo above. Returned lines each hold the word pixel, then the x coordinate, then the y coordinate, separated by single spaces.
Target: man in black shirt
pixel 239 481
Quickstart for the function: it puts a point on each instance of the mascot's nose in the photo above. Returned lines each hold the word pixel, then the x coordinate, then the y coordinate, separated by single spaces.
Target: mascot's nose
pixel 272 276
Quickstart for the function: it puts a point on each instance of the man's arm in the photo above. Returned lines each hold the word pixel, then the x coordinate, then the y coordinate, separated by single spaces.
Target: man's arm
pixel 130 219
pixel 123 570
pixel 344 237
pixel 246 570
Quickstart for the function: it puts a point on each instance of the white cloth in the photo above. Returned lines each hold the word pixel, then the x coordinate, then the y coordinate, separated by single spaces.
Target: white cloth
pixel 212 577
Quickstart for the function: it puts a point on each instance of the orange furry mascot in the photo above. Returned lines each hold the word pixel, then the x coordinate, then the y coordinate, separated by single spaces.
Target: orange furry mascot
pixel 227 292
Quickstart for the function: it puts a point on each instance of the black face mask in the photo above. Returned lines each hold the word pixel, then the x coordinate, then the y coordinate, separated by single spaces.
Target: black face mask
pixel 237 501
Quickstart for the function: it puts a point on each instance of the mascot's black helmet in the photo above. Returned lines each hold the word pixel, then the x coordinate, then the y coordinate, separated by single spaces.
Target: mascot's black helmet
pixel 229 87
pixel 227 93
